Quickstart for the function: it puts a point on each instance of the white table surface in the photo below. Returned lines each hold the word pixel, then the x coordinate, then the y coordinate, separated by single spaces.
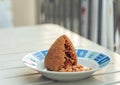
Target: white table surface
pixel 16 43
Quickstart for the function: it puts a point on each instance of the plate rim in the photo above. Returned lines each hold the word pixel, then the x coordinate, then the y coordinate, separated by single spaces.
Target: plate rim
pixel 55 72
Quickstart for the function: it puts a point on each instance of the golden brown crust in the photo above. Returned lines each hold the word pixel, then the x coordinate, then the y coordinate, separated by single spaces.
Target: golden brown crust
pixel 60 54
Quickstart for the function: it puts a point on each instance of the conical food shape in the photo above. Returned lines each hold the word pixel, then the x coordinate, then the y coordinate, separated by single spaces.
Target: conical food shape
pixel 61 55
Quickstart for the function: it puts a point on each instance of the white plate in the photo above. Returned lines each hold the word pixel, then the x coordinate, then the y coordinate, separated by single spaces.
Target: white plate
pixel 88 58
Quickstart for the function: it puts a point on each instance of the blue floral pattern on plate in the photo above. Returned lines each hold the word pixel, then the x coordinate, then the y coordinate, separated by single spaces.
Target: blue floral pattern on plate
pixel 100 58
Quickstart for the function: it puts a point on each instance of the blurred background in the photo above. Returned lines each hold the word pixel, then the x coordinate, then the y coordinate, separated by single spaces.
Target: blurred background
pixel 96 20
